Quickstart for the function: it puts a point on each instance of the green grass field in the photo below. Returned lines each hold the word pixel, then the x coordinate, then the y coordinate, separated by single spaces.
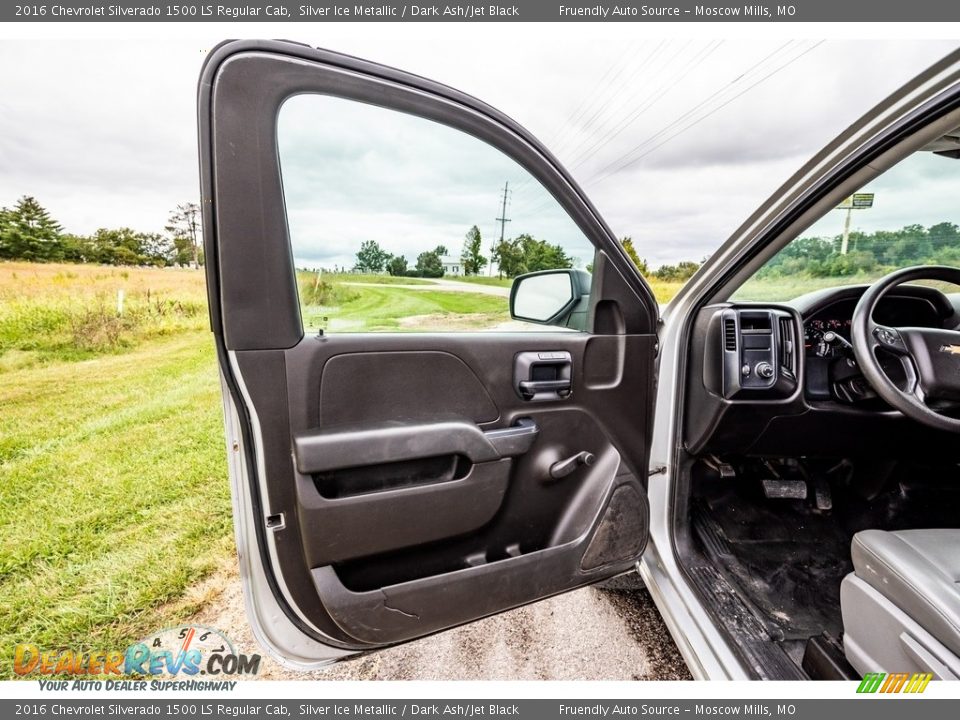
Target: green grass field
pixel 366 279
pixel 370 309
pixel 485 280
pixel 114 498
pixel 113 487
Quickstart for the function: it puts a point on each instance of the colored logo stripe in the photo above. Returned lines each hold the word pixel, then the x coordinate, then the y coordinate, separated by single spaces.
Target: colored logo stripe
pixel 918 683
pixel 894 683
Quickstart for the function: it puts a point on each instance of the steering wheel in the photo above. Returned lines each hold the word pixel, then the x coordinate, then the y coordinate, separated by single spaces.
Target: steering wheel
pixel 930 356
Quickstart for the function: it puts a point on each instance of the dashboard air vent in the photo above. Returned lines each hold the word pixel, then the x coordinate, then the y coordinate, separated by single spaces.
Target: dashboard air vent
pixel 788 344
pixel 729 334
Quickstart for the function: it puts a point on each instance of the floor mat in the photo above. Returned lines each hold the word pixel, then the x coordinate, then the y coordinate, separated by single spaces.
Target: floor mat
pixel 788 561
pixel 788 558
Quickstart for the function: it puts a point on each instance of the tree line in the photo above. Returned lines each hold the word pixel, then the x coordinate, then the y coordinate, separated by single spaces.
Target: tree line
pixel 681 272
pixel 514 256
pixel 29 232
pixel 938 244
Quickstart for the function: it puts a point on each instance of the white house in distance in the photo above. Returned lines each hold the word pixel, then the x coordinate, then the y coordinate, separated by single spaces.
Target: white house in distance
pixel 451 265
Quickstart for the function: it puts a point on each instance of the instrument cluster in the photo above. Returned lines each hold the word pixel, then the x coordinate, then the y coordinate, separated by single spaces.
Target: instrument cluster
pixel 813 336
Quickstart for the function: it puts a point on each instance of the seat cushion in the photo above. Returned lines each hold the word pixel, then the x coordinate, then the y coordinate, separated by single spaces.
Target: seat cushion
pixel 919 572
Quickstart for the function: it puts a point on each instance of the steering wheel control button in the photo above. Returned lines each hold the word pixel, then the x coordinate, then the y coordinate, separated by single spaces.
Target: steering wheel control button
pixel 887 336
pixel 764 370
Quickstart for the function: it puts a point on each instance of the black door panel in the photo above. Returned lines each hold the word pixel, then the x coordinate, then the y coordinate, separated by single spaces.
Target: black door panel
pixel 436 504
pixel 407 610
pixel 425 375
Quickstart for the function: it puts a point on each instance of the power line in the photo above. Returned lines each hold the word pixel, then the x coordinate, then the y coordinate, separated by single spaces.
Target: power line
pixel 645 101
pixel 702 103
pixel 615 95
pixel 626 161
pixel 706 101
pixel 561 135
pixel 648 102
pixel 599 89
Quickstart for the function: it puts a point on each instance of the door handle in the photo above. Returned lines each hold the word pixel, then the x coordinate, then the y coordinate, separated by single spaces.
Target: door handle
pixel 543 375
pixel 533 387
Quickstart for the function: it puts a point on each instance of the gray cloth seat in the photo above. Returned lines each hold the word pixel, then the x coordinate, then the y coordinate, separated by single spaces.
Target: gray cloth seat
pixel 918 571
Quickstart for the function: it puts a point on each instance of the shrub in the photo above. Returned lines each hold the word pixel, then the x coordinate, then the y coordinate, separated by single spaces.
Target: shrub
pixel 316 291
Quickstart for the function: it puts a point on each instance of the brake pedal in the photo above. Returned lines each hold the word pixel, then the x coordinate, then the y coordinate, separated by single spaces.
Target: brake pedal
pixel 822 494
pixel 785 489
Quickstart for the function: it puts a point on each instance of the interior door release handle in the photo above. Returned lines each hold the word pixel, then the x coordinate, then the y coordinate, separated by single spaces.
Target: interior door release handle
pixel 543 376
pixel 565 467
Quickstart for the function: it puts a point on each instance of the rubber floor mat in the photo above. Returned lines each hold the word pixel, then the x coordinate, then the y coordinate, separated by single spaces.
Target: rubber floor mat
pixel 788 562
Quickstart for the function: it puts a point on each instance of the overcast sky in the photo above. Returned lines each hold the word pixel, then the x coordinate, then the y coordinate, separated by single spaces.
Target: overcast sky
pixel 103 133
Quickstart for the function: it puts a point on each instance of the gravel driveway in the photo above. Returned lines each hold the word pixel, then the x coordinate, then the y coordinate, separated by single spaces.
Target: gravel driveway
pixel 589 634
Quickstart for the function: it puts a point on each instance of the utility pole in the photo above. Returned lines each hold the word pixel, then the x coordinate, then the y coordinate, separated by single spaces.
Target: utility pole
pixel 503 220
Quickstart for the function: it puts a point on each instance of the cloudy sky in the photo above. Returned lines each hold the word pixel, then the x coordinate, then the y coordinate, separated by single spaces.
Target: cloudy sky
pixel 676 140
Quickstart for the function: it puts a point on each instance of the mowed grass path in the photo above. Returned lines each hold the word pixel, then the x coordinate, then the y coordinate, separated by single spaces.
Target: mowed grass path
pixel 113 494
pixel 398 309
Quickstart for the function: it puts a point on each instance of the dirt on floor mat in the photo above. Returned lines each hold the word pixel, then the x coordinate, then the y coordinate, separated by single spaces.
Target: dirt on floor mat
pixel 588 634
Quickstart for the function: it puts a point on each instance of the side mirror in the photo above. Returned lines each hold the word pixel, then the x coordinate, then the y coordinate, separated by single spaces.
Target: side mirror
pixel 551 297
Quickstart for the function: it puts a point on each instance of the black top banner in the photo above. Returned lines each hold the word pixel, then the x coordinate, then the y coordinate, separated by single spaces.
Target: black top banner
pixel 849 11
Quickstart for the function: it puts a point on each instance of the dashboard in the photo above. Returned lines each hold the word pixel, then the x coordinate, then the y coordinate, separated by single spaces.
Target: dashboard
pixel 781 378
pixel 902 310
pixel 814 331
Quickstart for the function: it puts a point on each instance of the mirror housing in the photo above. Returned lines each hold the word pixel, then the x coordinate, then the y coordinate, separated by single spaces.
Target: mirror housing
pixel 552 297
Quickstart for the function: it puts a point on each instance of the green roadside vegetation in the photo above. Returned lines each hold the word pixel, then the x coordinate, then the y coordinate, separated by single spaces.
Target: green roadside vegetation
pixel 364 279
pixel 115 495
pixel 494 281
pixel 814 263
pixel 114 500
pixel 336 306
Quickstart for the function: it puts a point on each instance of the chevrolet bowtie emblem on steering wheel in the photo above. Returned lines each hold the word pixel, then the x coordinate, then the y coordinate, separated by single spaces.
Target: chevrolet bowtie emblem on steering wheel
pixel 952 349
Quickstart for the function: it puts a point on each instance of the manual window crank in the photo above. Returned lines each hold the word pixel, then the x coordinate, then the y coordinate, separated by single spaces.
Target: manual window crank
pixel 565 467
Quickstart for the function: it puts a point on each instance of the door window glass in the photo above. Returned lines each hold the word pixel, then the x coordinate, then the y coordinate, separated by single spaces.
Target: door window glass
pixel 396 221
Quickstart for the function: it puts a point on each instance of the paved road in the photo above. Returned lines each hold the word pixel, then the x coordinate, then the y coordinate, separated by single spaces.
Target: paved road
pixel 589 634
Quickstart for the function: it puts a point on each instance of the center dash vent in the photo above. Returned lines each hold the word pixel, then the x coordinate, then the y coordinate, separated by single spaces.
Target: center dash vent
pixel 788 345
pixel 729 334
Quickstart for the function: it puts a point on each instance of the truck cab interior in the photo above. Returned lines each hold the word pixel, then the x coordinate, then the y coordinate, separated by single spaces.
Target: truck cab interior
pixel 816 507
